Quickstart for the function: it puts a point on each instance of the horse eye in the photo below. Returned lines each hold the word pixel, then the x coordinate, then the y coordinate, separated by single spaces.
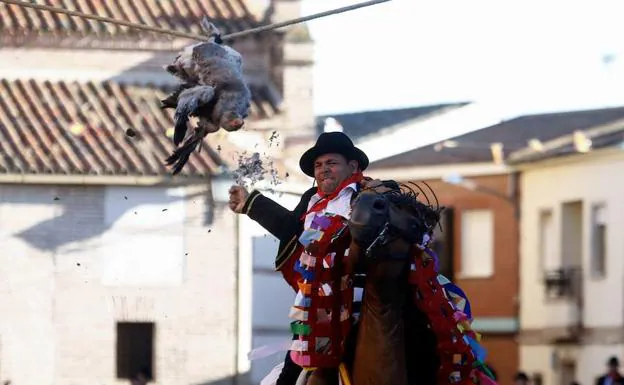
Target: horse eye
pixel 379 205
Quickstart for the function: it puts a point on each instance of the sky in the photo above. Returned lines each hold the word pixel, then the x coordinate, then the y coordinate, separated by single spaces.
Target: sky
pixel 537 55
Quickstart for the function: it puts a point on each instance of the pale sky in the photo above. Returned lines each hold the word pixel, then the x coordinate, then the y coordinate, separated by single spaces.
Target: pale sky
pixel 533 54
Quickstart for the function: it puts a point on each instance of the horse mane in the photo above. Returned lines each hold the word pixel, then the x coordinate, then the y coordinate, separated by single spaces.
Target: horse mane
pixel 408 197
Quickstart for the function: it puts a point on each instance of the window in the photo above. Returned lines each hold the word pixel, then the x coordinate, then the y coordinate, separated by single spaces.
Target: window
pixel 571 235
pixel 477 243
pixel 547 253
pixel 135 349
pixel 599 241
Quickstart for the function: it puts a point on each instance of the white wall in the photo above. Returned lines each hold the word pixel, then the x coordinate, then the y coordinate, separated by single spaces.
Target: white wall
pixel 71 268
pixel 597 179
pixel 592 178
pixel 546 360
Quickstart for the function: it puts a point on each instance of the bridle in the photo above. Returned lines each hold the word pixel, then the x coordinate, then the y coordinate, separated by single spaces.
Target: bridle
pixel 393 222
pixel 381 239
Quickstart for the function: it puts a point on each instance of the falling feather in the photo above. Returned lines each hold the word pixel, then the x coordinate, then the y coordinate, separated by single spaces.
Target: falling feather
pixel 212 89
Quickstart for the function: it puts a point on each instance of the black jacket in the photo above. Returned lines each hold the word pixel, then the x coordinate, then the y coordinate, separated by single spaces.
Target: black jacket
pixel 602 379
pixel 284 224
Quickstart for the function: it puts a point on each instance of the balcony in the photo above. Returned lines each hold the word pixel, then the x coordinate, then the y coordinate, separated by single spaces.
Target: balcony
pixel 564 283
pixel 564 303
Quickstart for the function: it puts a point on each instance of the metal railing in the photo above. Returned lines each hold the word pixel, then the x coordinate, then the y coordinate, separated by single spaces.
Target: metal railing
pixel 564 282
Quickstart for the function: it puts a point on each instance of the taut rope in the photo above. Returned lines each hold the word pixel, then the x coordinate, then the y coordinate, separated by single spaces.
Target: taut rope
pixel 166 31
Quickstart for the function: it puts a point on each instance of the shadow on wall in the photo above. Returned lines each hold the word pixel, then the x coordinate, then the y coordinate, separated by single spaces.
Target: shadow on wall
pixel 86 212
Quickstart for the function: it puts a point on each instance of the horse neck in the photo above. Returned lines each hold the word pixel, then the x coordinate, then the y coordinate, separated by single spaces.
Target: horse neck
pixel 380 353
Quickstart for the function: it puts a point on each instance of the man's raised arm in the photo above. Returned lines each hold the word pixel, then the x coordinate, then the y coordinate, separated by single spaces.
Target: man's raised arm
pixel 275 218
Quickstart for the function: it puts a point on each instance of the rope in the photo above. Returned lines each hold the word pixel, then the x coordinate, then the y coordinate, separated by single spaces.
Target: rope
pixel 105 19
pixel 302 19
pixel 165 31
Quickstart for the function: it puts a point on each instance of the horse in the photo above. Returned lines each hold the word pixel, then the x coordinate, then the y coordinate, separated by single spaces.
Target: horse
pixel 393 342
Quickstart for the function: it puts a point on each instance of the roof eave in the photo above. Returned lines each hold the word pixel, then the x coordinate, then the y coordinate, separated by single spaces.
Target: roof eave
pixel 551 147
pixel 438 172
pixel 528 164
pixel 123 180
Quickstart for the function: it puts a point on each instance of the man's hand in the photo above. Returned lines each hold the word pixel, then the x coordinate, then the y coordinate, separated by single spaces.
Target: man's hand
pixel 238 196
pixel 370 183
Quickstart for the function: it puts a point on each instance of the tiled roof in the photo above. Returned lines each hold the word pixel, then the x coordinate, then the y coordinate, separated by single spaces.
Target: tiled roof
pixel 80 129
pixel 22 26
pixel 359 124
pixel 514 134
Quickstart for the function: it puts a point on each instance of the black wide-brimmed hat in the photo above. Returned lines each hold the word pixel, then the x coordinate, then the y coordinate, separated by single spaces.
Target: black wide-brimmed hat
pixel 332 143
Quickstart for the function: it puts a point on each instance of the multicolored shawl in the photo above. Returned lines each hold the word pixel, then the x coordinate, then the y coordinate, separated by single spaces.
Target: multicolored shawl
pixel 325 289
pixel 449 313
pixel 324 269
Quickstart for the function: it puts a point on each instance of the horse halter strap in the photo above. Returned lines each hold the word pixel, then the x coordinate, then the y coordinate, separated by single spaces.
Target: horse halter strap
pixel 380 239
pixel 388 231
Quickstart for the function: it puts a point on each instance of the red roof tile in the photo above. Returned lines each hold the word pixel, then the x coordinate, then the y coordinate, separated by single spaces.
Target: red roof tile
pixel 22 25
pixel 80 129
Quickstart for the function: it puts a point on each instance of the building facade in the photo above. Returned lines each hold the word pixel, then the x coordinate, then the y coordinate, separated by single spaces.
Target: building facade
pixel 479 241
pixel 571 288
pixel 110 265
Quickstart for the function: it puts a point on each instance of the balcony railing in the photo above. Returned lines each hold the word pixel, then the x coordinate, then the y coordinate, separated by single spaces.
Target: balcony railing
pixel 565 282
pixel 564 291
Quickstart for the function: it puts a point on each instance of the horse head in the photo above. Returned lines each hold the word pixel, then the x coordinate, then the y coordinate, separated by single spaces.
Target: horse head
pixel 385 223
pixel 388 228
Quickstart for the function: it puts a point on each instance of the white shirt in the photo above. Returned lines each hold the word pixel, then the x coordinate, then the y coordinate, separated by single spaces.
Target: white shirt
pixel 340 205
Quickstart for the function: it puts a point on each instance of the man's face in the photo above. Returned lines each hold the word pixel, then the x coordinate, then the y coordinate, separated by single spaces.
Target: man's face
pixel 331 169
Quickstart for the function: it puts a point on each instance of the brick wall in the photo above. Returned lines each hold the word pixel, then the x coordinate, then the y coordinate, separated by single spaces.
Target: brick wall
pixel 503 357
pixel 495 296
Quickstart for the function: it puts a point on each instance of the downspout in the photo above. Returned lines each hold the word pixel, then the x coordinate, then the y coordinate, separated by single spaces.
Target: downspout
pixel 236 377
pixel 514 195
pixel 216 196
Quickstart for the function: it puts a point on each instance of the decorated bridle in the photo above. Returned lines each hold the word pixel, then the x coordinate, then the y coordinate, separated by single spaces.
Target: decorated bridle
pixel 395 214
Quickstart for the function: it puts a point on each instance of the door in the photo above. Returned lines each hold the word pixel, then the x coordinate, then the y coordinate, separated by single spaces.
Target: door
pixel 568 373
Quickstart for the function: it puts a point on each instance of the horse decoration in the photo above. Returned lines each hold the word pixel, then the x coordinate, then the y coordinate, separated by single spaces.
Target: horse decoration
pixel 415 325
pixel 325 275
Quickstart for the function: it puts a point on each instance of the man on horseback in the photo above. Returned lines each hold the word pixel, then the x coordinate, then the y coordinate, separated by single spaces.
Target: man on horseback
pixel 336 166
